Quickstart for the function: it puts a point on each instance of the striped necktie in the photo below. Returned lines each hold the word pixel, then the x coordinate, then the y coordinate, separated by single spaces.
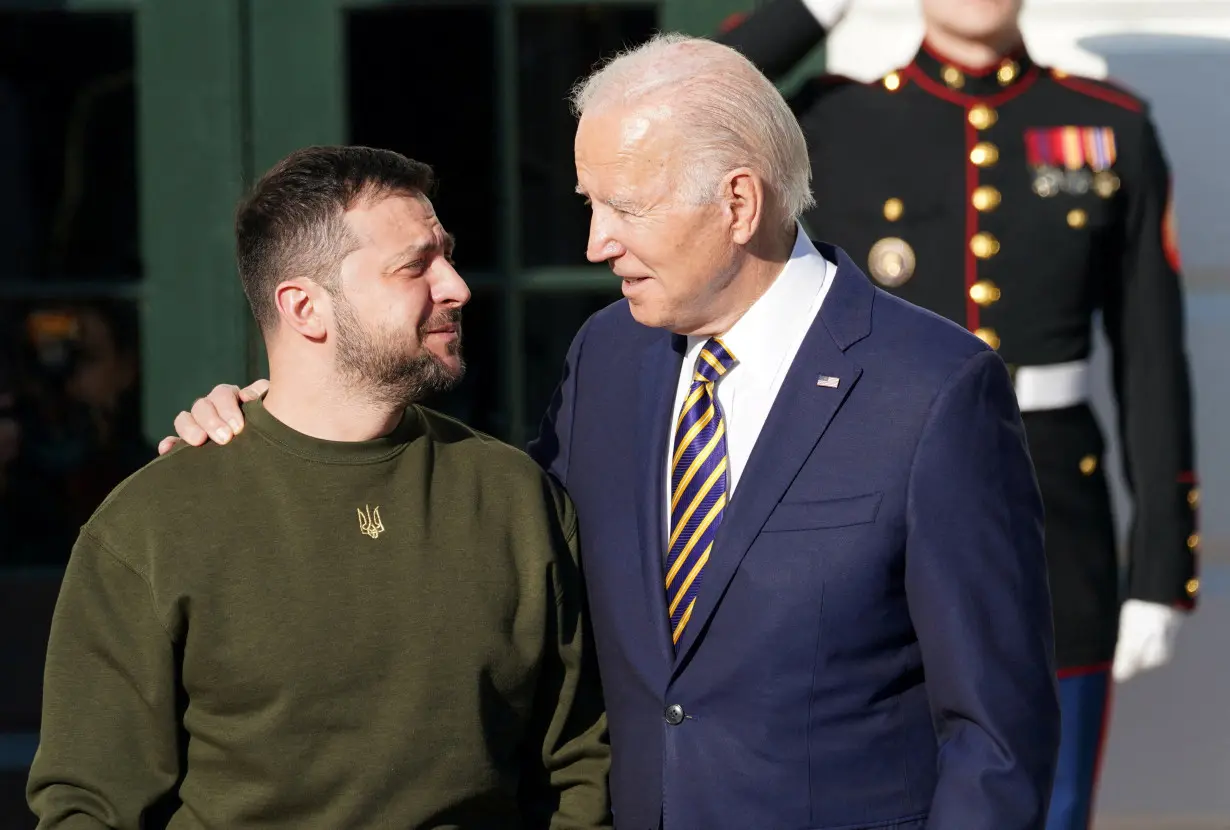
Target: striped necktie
pixel 698 484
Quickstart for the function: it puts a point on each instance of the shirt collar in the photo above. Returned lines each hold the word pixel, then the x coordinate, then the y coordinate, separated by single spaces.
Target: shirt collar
pixel 940 73
pixel 760 338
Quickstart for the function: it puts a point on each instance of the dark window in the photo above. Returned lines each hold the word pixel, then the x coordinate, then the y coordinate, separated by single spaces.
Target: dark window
pixel 421 81
pixel 68 184
pixel 70 420
pixel 551 321
pixel 555 48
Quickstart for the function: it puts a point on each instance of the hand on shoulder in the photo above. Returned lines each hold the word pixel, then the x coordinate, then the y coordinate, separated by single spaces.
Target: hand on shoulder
pixel 217 416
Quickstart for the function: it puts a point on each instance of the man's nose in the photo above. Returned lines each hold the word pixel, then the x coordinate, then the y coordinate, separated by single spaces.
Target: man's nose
pixel 601 246
pixel 448 288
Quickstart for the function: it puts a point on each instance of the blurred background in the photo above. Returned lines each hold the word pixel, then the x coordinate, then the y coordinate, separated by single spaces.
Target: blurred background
pixel 129 128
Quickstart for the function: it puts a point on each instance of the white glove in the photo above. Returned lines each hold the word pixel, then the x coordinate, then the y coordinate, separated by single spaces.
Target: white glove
pixel 827 12
pixel 1147 632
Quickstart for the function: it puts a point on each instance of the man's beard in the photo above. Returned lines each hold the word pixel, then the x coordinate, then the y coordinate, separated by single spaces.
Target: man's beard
pixel 376 362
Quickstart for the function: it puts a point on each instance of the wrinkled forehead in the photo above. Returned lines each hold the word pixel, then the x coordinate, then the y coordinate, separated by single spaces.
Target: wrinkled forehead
pixel 398 226
pixel 379 217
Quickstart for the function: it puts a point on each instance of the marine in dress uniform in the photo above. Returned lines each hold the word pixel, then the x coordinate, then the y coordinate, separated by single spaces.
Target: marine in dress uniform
pixel 1019 201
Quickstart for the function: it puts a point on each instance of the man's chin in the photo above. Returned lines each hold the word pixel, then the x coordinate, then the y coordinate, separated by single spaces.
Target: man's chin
pixel 452 365
pixel 650 314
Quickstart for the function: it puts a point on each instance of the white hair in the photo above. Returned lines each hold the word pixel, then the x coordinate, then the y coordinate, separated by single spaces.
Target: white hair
pixel 729 115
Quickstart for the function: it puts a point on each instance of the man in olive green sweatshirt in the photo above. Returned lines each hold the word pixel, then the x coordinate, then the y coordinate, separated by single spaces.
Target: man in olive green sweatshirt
pixel 377 620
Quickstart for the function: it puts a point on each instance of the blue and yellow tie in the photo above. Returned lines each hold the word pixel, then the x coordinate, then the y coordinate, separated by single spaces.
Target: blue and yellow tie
pixel 698 484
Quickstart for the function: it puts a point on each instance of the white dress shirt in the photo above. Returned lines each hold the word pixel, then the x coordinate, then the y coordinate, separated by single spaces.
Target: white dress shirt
pixel 764 341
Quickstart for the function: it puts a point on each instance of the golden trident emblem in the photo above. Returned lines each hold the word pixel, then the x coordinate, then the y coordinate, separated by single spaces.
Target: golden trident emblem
pixel 369 522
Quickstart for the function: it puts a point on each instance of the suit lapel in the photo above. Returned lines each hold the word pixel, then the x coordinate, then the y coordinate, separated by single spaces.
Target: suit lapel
pixel 800 415
pixel 659 378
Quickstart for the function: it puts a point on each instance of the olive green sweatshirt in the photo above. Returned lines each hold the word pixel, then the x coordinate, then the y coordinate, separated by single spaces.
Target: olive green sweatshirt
pixel 285 632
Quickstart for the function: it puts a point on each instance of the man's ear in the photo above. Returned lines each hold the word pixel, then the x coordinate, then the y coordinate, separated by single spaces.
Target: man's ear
pixel 302 305
pixel 743 193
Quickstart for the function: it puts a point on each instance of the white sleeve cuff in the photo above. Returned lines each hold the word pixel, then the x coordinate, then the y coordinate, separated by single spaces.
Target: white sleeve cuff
pixel 827 12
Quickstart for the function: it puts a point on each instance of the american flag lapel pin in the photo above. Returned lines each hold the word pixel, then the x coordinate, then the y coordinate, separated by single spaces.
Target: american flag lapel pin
pixel 827 381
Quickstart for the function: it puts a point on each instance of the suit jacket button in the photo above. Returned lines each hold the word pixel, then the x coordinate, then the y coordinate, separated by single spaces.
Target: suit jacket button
pixel 674 714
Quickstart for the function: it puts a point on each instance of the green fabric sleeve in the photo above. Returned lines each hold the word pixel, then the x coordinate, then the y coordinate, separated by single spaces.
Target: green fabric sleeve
pixel 566 787
pixel 109 742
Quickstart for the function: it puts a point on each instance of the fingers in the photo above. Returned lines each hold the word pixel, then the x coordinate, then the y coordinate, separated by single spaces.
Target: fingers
pixel 187 428
pixel 203 422
pixel 254 391
pixel 1138 656
pixel 217 416
pixel 1125 666
pixel 1156 653
pixel 222 408
pixel 1129 652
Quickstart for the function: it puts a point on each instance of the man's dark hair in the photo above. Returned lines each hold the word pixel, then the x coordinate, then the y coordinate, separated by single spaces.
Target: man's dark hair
pixel 292 223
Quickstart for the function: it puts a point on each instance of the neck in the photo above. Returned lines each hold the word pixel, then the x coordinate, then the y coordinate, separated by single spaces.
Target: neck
pixel 765 257
pixel 319 404
pixel 974 53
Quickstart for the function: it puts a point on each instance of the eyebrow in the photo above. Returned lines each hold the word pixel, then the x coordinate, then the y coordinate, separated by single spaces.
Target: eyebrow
pixel 403 256
pixel 625 205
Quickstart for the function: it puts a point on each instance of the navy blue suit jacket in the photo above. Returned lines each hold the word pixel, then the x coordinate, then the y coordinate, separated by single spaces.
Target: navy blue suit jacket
pixel 872 641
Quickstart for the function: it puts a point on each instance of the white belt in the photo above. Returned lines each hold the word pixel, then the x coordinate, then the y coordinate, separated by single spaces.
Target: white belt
pixel 1055 386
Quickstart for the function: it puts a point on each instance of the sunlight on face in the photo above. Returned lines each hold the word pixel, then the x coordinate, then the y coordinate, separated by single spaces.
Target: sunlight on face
pixel 397 316
pixel 671 256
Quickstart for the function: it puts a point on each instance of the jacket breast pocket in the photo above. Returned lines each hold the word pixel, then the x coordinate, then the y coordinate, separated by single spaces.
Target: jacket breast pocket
pixel 812 515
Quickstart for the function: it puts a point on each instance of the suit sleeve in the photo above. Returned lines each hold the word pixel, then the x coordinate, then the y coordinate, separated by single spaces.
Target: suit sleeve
pixel 551 447
pixel 109 740
pixel 977 588
pixel 775 37
pixel 1144 323
pixel 565 786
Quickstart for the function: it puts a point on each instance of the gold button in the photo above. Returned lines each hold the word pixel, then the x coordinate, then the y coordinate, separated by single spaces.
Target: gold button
pixel 1193 586
pixel 982 116
pixel 984 154
pixel 984 245
pixel 1089 464
pixel 1193 541
pixel 1077 218
pixel 984 292
pixel 985 198
pixel 1058 73
pixel 1007 73
pixel 892 81
pixel 953 77
pixel 1193 497
pixel 893 209
pixel 988 336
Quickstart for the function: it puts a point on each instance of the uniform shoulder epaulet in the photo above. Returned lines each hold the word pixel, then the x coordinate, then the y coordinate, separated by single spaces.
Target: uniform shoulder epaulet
pixel 1106 90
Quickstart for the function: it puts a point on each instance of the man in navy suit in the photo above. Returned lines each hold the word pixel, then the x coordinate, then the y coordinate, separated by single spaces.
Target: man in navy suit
pixel 810 526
